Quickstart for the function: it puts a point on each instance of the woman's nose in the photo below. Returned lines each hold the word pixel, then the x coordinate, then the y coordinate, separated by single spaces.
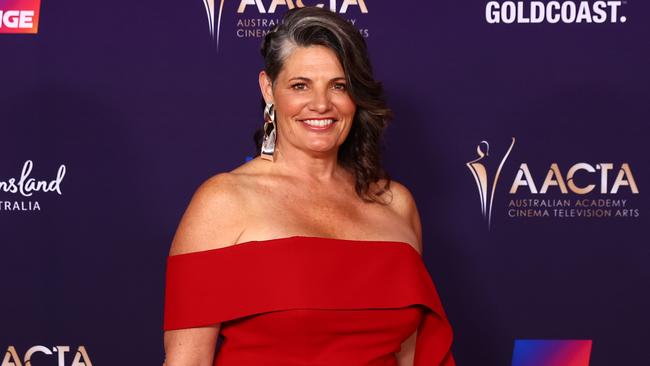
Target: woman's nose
pixel 320 102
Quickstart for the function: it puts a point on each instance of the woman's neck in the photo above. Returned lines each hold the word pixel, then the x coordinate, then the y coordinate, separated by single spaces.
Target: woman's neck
pixel 314 166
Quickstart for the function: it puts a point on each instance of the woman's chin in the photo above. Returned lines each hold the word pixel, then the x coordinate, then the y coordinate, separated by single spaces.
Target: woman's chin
pixel 321 148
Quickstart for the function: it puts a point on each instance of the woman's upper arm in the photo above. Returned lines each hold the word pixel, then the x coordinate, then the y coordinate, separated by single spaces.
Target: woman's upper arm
pixel 210 221
pixel 191 346
pixel 404 204
pixel 406 355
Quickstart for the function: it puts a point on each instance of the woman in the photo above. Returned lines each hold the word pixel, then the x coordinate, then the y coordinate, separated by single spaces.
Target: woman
pixel 308 254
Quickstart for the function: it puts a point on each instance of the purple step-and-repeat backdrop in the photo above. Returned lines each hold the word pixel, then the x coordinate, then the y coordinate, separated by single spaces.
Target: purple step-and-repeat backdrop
pixel 520 128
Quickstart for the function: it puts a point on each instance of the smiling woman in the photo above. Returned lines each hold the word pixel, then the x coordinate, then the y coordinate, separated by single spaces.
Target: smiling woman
pixel 313 109
pixel 307 254
pixel 324 58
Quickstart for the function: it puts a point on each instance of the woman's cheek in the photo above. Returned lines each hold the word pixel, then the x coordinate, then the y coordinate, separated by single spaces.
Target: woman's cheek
pixel 296 102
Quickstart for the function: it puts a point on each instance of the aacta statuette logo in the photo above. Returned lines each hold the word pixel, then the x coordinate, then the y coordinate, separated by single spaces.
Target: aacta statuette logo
pixel 257 27
pixel 481 177
pixel 81 358
pixel 19 16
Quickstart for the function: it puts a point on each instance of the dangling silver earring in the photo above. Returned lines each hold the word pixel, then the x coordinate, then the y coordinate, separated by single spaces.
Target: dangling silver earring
pixel 270 128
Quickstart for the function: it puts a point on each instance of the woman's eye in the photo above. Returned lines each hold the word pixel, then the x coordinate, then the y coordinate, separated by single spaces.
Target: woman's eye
pixel 340 86
pixel 299 86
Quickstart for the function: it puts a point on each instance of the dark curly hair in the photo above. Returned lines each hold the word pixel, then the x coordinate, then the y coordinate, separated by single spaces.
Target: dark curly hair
pixel 360 153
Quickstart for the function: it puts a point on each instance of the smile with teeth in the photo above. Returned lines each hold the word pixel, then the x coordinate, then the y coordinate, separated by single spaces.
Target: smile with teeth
pixel 318 122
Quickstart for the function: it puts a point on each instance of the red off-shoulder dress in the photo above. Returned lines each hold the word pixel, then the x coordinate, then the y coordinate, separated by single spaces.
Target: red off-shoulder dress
pixel 310 301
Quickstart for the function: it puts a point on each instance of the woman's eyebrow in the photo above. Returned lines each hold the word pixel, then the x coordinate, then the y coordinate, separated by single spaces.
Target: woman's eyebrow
pixel 302 78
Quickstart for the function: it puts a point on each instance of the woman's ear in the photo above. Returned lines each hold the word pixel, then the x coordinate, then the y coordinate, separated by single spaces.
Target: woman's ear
pixel 266 86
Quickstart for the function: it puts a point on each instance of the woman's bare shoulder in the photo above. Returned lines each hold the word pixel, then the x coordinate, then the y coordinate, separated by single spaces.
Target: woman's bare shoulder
pixel 401 197
pixel 396 196
pixel 213 217
pixel 400 201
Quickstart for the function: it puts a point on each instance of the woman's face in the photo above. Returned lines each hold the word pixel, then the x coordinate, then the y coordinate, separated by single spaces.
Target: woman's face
pixel 313 109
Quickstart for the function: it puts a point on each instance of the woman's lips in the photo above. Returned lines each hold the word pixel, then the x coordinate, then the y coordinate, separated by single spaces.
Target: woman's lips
pixel 318 124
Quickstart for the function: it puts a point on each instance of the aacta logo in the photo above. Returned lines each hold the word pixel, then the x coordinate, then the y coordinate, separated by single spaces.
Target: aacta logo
pixel 333 6
pixel 561 193
pixel 555 177
pixel 19 16
pixel 271 7
pixel 59 352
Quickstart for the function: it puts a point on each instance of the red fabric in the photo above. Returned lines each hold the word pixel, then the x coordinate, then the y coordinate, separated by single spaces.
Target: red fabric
pixel 310 301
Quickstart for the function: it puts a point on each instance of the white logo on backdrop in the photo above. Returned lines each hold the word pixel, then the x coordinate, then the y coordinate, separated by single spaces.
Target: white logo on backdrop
pixel 26 186
pixel 553 12
pixel 252 15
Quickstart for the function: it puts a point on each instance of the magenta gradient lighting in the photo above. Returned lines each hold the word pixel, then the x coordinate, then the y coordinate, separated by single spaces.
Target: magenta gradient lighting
pixel 19 16
pixel 536 352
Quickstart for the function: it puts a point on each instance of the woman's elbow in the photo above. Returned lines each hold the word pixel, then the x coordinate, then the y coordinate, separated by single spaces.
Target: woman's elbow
pixel 188 362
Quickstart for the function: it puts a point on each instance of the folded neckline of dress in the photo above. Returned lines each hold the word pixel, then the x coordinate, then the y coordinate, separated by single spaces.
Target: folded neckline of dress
pixel 194 299
pixel 292 238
